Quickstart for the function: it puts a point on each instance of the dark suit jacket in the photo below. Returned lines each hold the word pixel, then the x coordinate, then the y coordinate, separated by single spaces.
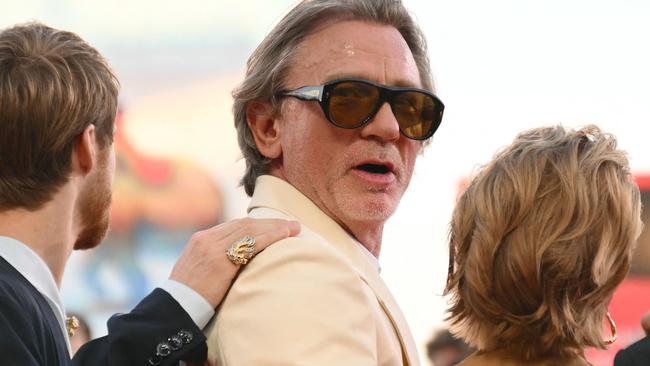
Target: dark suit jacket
pixel 158 331
pixel 638 354
pixel 30 334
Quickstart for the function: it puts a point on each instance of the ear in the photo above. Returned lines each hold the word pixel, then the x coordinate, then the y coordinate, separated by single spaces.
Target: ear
pixel 265 128
pixel 84 154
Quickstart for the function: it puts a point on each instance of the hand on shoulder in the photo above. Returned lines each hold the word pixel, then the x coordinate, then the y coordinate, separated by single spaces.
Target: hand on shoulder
pixel 204 265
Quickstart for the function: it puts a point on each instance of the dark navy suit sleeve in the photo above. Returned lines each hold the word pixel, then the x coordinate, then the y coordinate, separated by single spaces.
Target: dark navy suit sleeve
pixel 638 354
pixel 157 332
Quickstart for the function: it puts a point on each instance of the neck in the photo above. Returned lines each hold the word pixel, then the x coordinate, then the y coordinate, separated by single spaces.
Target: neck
pixel 48 231
pixel 368 235
pixel 367 232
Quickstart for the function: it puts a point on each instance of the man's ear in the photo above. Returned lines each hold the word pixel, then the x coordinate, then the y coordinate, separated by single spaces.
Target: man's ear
pixel 265 128
pixel 84 154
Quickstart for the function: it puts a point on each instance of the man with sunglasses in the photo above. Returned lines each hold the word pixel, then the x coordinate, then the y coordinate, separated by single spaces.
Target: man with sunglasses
pixel 336 105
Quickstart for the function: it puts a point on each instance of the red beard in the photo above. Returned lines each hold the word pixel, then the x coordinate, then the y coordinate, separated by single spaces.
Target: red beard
pixel 95 208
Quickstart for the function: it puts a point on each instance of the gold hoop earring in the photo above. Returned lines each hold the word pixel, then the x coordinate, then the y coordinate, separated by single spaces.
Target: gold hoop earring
pixel 612 327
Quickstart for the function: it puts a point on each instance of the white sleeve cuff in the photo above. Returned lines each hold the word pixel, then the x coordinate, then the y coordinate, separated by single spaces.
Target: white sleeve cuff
pixel 191 301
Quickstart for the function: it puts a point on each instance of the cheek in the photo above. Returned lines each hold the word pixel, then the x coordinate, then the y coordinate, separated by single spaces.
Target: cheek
pixel 409 156
pixel 304 153
pixel 304 132
pixel 112 168
pixel 410 152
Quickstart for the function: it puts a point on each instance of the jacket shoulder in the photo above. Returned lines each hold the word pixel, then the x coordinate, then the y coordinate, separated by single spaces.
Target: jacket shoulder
pixel 294 297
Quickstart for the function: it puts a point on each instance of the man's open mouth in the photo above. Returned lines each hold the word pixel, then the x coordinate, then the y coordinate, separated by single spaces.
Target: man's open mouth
pixel 374 168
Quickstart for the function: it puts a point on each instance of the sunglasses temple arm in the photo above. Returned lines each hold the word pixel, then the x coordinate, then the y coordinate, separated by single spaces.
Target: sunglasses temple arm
pixel 306 93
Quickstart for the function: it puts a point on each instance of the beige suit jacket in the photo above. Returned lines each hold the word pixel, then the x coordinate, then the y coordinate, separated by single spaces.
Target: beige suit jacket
pixel 315 299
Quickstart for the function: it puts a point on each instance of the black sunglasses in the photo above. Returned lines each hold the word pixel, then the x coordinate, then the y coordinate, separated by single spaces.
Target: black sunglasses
pixel 351 103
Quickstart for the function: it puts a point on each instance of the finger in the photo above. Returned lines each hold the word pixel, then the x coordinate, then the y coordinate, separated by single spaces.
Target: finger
pixel 225 234
pixel 271 237
pixel 258 227
pixel 264 233
pixel 230 228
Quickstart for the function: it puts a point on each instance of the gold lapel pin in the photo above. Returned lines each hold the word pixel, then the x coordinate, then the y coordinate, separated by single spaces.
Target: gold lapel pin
pixel 71 323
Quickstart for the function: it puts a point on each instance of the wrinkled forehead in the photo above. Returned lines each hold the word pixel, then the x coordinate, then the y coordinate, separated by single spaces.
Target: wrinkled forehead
pixel 354 48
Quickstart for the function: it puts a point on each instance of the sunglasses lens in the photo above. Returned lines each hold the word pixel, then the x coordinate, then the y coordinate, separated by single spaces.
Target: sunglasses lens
pixel 352 102
pixel 415 113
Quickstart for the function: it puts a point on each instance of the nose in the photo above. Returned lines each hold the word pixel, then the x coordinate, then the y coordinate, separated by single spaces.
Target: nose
pixel 383 125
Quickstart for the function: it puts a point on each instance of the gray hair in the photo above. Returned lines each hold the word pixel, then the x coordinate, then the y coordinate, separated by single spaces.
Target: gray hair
pixel 268 66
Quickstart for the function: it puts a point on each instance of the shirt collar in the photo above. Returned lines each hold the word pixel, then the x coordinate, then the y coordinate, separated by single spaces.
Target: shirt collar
pixel 34 269
pixel 371 257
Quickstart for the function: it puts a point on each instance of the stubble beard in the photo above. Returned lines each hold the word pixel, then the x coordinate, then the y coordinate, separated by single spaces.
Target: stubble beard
pixel 95 213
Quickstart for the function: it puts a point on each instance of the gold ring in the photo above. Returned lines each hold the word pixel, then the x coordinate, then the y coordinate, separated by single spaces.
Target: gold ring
pixel 242 250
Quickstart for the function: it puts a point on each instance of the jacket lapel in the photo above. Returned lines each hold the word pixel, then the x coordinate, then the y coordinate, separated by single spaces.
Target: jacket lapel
pixel 392 310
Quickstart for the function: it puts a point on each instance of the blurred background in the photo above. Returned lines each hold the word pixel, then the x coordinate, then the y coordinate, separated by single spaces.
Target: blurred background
pixel 500 67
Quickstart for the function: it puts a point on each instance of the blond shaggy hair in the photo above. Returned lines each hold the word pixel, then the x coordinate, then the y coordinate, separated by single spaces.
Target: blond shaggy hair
pixel 539 241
